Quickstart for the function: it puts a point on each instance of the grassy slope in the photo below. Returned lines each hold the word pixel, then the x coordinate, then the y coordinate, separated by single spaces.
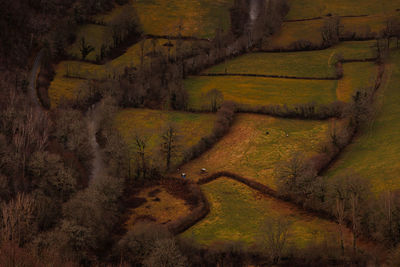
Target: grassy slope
pixel 300 9
pixel 311 31
pixel 150 124
pixel 302 64
pixel 260 91
pixel 60 86
pixel 291 32
pixel 375 23
pixel 318 63
pixel 356 76
pixel 163 207
pixel 374 154
pixel 198 18
pixel 248 151
pixel 237 213
pixel 95 35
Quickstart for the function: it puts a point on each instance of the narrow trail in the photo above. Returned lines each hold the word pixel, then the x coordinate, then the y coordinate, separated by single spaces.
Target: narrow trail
pixel 92 117
pixel 32 81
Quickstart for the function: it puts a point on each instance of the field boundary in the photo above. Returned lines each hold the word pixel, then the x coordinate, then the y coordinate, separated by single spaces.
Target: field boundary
pixel 322 17
pixel 269 76
pixel 196 215
pixel 376 87
pixel 171 37
pixel 359 60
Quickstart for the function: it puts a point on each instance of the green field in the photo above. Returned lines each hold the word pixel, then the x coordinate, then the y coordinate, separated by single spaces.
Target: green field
pixel 364 26
pixel 259 91
pixel 301 64
pixel 149 125
pixel 62 87
pixel 318 64
pixel 131 58
pixel 375 152
pixel 197 18
pixel 247 149
pixel 238 212
pixel 355 50
pixel 357 75
pixel 292 32
pixel 95 35
pixel 65 87
pixel 301 9
pixel 310 32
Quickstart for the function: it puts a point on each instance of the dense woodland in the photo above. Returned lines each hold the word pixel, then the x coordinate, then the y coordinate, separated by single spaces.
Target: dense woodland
pixel 54 214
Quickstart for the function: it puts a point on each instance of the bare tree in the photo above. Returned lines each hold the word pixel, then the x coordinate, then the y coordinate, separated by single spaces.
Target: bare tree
pixel 350 193
pixel 330 31
pixel 295 176
pixel 277 231
pixel 169 146
pixel 85 48
pixel 30 133
pixel 165 254
pixel 340 215
pixel 141 152
pixel 17 219
pixel 216 98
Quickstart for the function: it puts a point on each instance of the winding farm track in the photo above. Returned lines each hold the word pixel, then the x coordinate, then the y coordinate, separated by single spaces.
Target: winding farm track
pixel 32 80
pixel 91 117
pixel 92 123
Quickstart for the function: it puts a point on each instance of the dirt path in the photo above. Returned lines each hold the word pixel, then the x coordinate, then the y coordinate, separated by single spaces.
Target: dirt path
pixel 32 80
pixel 92 118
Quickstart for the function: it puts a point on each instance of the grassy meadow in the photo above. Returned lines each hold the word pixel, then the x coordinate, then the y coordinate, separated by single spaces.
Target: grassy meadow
pixel 248 151
pixel 160 206
pixel 259 91
pixel 364 26
pixel 310 31
pixel 196 18
pixel 95 35
pixel 303 9
pixel 375 151
pixel 65 87
pixel 300 64
pixel 292 32
pixel 238 212
pixel 356 76
pixel 149 124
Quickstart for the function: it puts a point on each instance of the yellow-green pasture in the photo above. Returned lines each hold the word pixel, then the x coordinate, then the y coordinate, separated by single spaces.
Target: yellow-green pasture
pixel 95 36
pixel 259 91
pixel 375 152
pixel 137 55
pixel 249 151
pixel 238 213
pixel 187 17
pixel 149 125
pixel 315 64
pixel 357 75
pixel 303 9
pixel 295 32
